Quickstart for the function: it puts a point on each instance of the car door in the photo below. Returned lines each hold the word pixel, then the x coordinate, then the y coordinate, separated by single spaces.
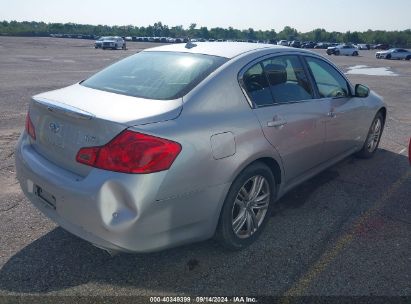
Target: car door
pixel 291 119
pixel 395 54
pixel 344 112
pixel 399 54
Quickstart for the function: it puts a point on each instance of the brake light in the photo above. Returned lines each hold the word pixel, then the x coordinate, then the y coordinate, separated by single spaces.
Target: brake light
pixel 30 127
pixel 131 152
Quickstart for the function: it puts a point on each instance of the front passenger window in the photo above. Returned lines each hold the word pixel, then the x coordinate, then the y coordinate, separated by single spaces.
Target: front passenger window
pixel 330 83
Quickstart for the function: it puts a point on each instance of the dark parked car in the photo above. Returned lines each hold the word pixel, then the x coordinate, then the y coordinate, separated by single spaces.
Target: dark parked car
pixel 382 46
pixel 321 45
pixel 295 44
pixel 308 45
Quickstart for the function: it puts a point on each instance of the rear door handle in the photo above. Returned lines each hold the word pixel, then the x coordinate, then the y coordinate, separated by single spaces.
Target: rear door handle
pixel 276 123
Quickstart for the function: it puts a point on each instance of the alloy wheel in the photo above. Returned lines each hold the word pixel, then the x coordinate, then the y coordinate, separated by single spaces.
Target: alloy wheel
pixel 374 135
pixel 250 206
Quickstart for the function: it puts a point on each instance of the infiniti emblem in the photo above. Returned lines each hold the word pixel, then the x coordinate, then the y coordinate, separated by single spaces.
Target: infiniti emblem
pixel 54 127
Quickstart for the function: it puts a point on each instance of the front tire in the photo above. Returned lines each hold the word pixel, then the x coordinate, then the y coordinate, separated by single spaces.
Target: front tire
pixel 247 207
pixel 373 138
pixel 337 53
pixel 388 56
pixel 355 53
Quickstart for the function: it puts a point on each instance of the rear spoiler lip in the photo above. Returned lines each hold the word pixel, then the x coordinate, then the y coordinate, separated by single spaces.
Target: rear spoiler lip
pixel 56 106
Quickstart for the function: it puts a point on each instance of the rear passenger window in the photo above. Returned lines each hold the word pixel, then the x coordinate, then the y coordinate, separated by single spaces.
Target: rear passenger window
pixel 257 86
pixel 330 83
pixel 287 78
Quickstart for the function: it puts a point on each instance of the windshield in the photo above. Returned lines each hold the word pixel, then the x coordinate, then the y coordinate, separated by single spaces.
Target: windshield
pixel 155 75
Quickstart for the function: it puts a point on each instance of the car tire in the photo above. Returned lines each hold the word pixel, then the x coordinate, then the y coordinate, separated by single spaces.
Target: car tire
pixel 337 53
pixel 408 57
pixel 388 56
pixel 373 137
pixel 242 220
pixel 355 53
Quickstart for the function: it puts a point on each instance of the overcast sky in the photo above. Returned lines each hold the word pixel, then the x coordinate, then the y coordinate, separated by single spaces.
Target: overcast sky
pixel 304 15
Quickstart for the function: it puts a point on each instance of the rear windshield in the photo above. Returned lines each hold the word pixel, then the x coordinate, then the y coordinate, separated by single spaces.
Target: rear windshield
pixel 155 75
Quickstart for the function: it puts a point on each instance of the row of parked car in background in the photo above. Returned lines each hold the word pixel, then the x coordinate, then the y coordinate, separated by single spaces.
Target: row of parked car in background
pixel 347 49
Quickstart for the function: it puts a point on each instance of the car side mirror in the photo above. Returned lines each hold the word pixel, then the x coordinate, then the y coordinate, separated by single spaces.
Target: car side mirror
pixel 361 91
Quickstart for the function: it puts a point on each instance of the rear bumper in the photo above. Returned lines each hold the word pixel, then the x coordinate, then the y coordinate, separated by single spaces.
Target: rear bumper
pixel 118 211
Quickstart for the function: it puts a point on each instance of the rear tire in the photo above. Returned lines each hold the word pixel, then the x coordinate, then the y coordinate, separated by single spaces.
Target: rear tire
pixel 373 137
pixel 408 58
pixel 247 207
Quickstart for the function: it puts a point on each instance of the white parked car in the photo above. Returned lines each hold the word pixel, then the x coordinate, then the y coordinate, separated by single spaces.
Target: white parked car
pixel 110 43
pixel 98 44
pixel 343 49
pixel 394 54
pixel 282 42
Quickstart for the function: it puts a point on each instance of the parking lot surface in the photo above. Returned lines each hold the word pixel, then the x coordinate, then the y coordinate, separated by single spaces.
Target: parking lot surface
pixel 347 231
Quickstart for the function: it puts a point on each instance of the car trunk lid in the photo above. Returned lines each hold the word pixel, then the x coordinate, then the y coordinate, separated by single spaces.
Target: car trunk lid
pixel 68 119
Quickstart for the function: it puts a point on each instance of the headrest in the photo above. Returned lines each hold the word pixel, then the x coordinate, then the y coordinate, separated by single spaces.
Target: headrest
pixel 276 73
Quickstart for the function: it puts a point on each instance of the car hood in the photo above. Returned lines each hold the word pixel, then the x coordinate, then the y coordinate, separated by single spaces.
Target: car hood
pixel 127 110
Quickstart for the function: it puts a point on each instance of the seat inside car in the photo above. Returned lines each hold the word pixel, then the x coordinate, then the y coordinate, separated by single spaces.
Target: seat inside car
pixel 282 89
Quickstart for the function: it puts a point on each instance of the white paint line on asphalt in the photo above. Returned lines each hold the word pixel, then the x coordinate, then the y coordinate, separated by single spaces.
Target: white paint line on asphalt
pixel 303 283
pixel 402 151
pixel 366 70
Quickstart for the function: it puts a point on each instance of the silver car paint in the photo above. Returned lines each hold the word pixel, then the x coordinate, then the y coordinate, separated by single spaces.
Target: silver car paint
pixel 149 212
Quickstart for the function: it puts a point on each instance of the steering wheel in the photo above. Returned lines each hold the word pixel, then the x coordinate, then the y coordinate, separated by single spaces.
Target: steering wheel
pixel 253 83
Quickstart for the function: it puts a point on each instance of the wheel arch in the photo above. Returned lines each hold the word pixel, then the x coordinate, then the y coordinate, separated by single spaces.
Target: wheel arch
pixel 383 111
pixel 273 164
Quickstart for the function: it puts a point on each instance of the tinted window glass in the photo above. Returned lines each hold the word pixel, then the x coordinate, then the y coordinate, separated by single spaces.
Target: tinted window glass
pixel 330 83
pixel 257 86
pixel 155 75
pixel 287 78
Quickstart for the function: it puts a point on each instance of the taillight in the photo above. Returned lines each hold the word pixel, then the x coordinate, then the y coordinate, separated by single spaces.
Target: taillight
pixel 30 127
pixel 131 152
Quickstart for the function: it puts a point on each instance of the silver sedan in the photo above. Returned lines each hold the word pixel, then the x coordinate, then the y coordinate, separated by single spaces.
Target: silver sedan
pixel 394 54
pixel 182 143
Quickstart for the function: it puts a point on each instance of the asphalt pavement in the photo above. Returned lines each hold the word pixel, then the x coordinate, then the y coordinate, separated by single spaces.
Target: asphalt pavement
pixel 345 232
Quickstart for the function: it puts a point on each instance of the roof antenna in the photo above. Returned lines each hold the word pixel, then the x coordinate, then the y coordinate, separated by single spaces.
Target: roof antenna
pixel 190 44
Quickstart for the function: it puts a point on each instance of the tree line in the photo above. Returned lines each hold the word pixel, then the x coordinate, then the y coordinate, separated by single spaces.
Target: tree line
pixel 32 28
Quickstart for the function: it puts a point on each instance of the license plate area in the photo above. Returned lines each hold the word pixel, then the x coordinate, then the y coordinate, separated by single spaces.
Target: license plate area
pixel 47 198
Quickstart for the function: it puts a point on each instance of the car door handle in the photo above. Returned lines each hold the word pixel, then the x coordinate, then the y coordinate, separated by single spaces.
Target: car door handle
pixel 276 123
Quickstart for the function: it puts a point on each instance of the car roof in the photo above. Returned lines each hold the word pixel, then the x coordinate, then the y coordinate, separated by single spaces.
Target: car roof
pixel 222 49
